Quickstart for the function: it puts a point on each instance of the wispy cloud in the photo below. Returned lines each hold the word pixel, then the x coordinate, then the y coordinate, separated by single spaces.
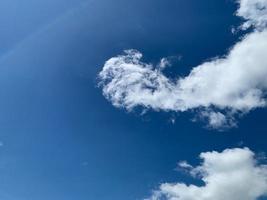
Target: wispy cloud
pixel 233 174
pixel 219 90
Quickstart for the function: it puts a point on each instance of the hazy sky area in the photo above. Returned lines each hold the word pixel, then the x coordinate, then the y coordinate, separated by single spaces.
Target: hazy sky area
pixel 82 119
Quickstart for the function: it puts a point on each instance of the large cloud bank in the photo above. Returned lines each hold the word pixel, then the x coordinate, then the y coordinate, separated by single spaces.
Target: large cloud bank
pixel 233 174
pixel 219 89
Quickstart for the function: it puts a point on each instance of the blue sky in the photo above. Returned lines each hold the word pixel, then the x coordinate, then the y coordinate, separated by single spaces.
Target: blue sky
pixel 62 139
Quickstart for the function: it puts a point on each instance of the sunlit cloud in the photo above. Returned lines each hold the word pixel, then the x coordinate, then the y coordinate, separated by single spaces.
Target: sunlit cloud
pixel 233 174
pixel 219 90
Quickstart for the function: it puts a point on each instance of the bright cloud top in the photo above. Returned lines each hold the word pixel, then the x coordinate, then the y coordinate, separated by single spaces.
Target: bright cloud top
pixel 233 174
pixel 255 12
pixel 221 88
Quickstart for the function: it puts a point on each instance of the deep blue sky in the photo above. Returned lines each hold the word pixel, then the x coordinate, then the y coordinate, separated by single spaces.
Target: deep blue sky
pixel 60 138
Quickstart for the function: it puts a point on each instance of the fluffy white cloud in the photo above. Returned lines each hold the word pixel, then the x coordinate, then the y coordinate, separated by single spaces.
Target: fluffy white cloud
pixel 254 11
pixel 220 89
pixel 233 174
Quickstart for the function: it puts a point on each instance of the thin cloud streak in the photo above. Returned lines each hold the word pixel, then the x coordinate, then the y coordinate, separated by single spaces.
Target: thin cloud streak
pixel 44 28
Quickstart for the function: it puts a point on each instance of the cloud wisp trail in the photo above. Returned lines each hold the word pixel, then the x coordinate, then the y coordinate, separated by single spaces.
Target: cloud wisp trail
pixel 43 29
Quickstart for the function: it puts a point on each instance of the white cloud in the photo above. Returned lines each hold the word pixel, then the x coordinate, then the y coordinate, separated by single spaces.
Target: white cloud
pixel 221 88
pixel 255 12
pixel 218 120
pixel 184 165
pixel 233 174
pixel 164 62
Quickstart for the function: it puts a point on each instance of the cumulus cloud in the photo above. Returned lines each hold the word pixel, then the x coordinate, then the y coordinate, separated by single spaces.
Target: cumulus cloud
pixel 233 174
pixel 255 12
pixel 219 90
